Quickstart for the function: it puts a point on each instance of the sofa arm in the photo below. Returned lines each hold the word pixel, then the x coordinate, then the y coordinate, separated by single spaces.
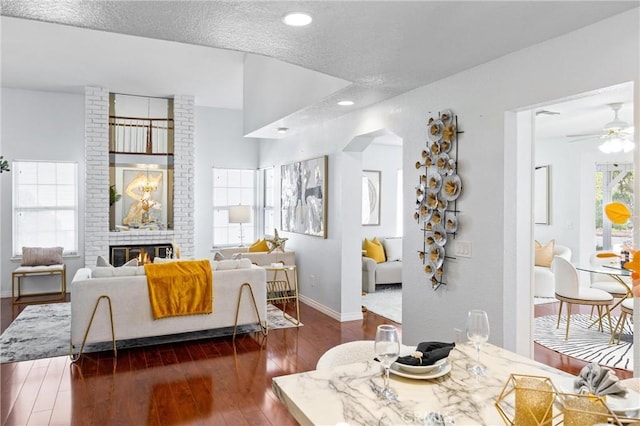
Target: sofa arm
pixel 368 274
pixel 368 264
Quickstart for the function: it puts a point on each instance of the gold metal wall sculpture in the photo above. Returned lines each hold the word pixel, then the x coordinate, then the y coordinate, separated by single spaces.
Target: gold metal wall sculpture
pixel 439 186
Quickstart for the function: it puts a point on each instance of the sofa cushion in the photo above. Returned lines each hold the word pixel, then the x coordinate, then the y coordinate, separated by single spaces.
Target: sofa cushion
pixel 122 271
pixel 227 264
pixel 374 250
pixel 41 256
pixel 392 248
pixel 544 254
pixel 260 245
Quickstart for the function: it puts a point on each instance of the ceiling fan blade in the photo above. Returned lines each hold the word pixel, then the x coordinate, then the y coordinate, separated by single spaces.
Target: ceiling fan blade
pixel 582 135
pixel 586 138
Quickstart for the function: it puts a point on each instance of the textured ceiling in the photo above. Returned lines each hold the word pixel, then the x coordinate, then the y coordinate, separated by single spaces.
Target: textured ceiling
pixel 385 48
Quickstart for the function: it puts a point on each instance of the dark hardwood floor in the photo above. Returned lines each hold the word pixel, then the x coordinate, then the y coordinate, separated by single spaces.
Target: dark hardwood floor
pixel 206 382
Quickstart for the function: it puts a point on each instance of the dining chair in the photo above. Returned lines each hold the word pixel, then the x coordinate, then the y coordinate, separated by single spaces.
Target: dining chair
pixel 352 352
pixel 347 353
pixel 626 308
pixel 606 282
pixel 569 291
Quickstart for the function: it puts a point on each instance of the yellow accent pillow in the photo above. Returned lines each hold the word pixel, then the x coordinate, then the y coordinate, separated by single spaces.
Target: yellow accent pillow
pixel 259 245
pixel 544 254
pixel 374 250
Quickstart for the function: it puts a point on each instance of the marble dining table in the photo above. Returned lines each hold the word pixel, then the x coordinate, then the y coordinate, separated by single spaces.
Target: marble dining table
pixel 345 395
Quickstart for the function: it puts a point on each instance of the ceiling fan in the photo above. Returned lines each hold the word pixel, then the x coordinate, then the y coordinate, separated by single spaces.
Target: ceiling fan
pixel 616 135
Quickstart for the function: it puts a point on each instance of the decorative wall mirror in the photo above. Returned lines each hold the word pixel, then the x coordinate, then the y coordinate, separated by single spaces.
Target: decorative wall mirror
pixel 140 162
pixel 371 197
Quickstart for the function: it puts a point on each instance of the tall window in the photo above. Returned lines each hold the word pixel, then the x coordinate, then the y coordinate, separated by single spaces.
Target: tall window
pixel 233 187
pixel 268 191
pixel 614 182
pixel 45 205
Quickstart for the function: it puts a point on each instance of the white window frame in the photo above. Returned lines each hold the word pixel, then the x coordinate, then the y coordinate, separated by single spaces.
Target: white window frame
pixel 232 197
pixel 34 195
pixel 267 184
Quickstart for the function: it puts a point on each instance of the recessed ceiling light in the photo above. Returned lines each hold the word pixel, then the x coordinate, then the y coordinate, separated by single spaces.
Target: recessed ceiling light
pixel 345 103
pixel 283 130
pixel 296 19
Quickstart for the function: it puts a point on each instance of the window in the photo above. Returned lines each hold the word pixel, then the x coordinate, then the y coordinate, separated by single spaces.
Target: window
pixel 45 205
pixel 614 182
pixel 268 189
pixel 232 187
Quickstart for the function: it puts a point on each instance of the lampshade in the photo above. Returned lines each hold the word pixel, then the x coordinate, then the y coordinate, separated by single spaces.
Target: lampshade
pixel 239 214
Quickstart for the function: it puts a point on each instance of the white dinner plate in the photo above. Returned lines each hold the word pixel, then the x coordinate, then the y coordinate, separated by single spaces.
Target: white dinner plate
pixel 445 369
pixel 624 404
pixel 422 369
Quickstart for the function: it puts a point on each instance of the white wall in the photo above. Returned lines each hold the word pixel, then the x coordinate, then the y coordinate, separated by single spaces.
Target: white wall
pixel 480 97
pixel 388 160
pixel 218 143
pixel 39 126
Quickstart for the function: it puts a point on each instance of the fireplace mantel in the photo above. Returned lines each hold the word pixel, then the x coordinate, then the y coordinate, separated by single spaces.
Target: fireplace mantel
pixel 125 238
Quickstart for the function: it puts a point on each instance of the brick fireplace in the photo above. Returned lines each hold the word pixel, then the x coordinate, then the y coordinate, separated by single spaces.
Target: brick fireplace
pixel 97 237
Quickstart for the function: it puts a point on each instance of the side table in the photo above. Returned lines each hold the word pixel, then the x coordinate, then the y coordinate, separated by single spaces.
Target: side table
pixel 283 288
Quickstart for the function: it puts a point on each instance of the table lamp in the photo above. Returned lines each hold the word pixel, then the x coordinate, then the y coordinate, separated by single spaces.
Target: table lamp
pixel 240 214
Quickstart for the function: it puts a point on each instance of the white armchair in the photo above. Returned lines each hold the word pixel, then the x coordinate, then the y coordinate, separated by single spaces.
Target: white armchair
pixel 544 283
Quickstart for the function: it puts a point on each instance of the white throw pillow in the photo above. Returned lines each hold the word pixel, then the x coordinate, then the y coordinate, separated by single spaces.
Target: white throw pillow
pixel 225 265
pixel 393 248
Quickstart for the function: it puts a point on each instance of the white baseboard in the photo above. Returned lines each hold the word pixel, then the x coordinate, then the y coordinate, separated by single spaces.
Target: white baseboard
pixel 349 316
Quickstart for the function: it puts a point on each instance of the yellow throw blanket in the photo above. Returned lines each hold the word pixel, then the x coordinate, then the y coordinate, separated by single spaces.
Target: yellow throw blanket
pixel 180 288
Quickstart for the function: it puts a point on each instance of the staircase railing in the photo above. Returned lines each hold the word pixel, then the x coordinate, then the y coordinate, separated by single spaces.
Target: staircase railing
pixel 140 135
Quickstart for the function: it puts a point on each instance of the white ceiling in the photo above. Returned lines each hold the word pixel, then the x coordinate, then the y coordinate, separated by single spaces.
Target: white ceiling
pixel 160 48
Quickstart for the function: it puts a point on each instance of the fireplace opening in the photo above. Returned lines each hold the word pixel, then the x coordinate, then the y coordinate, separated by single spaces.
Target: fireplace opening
pixel 119 255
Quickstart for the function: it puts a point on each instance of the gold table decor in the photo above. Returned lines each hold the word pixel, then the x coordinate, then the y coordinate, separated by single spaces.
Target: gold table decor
pixel 534 401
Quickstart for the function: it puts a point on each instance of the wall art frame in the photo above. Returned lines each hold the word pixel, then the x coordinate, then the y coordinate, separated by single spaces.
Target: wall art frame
pixel 541 195
pixel 304 190
pixel 371 186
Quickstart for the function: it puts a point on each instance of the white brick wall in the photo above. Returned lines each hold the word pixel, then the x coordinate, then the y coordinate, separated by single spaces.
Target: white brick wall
pixel 96 234
pixel 184 160
pixel 96 209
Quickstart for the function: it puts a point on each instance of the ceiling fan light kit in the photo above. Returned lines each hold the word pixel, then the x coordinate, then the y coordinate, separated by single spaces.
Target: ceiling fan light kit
pixel 617 134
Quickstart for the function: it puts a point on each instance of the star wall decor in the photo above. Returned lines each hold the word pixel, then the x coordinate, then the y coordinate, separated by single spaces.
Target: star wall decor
pixel 276 242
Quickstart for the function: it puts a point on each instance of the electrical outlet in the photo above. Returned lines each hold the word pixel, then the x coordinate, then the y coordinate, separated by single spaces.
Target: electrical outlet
pixel 462 248
pixel 313 280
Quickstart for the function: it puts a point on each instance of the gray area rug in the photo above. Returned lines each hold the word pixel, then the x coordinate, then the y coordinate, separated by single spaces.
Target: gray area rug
pixel 386 301
pixel 586 343
pixel 42 331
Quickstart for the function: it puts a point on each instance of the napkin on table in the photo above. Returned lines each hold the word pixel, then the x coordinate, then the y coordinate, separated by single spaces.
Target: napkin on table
pixel 430 351
pixel 598 380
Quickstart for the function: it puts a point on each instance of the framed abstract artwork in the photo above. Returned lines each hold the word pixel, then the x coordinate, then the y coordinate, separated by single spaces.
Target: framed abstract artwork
pixel 304 197
pixel 370 197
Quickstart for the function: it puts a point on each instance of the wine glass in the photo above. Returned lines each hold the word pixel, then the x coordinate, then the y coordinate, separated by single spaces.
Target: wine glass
pixel 387 349
pixel 478 334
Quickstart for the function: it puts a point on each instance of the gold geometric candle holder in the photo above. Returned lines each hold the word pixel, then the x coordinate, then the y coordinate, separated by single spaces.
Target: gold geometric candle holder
pixel 534 401
pixel 527 401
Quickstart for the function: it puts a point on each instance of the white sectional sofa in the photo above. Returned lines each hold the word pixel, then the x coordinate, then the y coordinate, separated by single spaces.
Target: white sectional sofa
pixel 127 289
pixel 388 272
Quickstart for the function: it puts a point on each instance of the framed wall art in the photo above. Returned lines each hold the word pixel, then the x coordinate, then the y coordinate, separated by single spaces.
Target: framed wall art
pixel 304 197
pixel 541 199
pixel 371 197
